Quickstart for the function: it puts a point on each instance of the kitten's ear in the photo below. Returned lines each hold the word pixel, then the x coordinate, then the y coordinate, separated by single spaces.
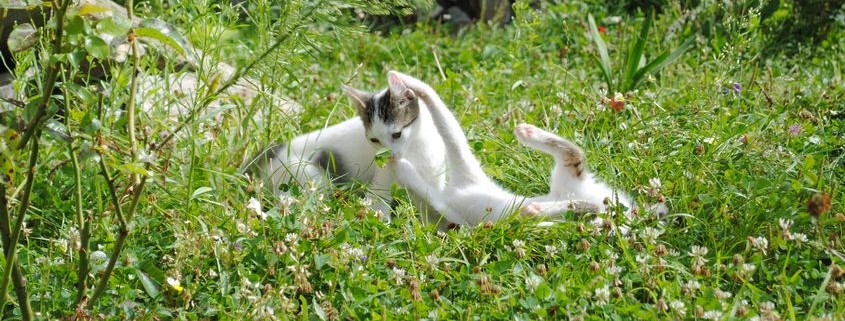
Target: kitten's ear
pixel 397 85
pixel 359 98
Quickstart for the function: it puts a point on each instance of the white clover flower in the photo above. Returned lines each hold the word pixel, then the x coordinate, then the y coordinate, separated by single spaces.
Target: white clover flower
pixel 719 294
pixel 655 183
pixel 292 238
pixel 712 315
pixel 760 243
pixel 785 224
pixel 678 306
pixel 398 275
pixel 698 251
pixel 602 295
pixel 614 270
pixel 432 260
pixel 551 250
pixel 145 156
pixel 651 234
pixel 518 243
pixel 691 286
pixel 799 238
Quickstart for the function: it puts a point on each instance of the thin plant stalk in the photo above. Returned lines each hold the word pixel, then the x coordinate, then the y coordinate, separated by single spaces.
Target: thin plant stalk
pixel 123 232
pixel 11 246
pixel 84 228
pixel 17 275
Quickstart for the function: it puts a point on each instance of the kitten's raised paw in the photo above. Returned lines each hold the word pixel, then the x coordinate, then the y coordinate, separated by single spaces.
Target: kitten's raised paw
pixel 532 209
pixel 524 132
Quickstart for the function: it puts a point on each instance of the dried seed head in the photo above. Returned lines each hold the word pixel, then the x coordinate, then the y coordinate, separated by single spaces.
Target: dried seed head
pixel 434 295
pixel 580 228
pixel 836 271
pixel 541 269
pixel 488 224
pixel 391 263
pixel 660 250
pixel 818 204
pixel 594 266
pixel 584 245
pixel 738 259
pixel 661 305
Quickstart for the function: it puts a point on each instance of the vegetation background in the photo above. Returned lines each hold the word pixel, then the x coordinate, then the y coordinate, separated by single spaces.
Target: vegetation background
pixel 114 207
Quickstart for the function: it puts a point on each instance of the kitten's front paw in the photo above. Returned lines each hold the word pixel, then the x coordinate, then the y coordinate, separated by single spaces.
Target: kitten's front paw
pixel 404 170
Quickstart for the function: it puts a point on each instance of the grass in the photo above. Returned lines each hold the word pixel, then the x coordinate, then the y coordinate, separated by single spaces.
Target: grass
pixel 737 143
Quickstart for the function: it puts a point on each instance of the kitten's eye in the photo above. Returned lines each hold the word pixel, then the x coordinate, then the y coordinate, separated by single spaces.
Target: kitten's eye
pixel 374 140
pixel 396 135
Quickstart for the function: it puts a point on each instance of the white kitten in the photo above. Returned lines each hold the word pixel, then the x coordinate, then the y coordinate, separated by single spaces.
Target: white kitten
pixel 346 151
pixel 471 197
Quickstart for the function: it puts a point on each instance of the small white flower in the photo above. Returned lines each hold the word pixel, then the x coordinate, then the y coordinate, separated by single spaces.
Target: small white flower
pixel 814 139
pixel 678 306
pixel 432 260
pixel 785 224
pixel 255 206
pixel 551 250
pixel 760 243
pixel 712 315
pixel 799 238
pixel 655 183
pixel 698 251
pixel 719 294
pixel 518 243
pixel 145 156
pixel 292 238
pixel 614 270
pixel 398 275
pixel 602 295
pixel 651 234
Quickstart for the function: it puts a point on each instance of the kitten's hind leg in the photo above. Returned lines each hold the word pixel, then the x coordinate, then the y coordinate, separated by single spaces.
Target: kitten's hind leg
pixel 570 161
pixel 557 207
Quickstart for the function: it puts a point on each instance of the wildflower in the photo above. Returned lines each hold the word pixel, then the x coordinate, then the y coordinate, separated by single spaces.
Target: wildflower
pixel 679 307
pixel 737 87
pixel 760 243
pixel 617 103
pixel 691 286
pixel 398 275
pixel 255 206
pixel 784 224
pixel 602 295
pixel 551 250
pixel 651 234
pixel 414 287
pixel 175 284
pixel 432 260
pixel 721 295
pixel 713 315
pixel 794 130
pixel 519 248
pixel 602 29
pixel 661 305
pixel 746 271
pixel 799 238
pixel 655 182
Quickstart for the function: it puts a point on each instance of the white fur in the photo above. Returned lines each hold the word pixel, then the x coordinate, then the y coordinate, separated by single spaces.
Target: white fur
pixel 471 197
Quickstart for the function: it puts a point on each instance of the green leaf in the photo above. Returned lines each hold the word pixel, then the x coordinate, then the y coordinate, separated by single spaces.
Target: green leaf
pixel 200 191
pixel 23 37
pixel 635 55
pixel 111 27
pixel 150 286
pixel 97 47
pixel 601 47
pixel 662 61
pixel 158 35
pixel 321 260
pixel 90 8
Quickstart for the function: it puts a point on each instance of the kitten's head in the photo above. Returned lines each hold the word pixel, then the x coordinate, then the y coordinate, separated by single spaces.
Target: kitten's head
pixel 388 115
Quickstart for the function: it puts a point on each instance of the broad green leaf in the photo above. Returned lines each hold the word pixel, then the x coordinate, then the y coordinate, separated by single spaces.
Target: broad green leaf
pixel 111 27
pixel 90 8
pixel 97 47
pixel 158 35
pixel 604 60
pixel 23 37
pixel 150 286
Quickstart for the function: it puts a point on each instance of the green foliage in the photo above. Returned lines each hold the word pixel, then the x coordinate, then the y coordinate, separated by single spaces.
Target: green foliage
pixel 732 147
pixel 636 65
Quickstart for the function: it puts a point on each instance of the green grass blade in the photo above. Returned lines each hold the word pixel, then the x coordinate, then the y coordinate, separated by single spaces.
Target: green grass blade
pixel 604 60
pixel 636 53
pixel 661 61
